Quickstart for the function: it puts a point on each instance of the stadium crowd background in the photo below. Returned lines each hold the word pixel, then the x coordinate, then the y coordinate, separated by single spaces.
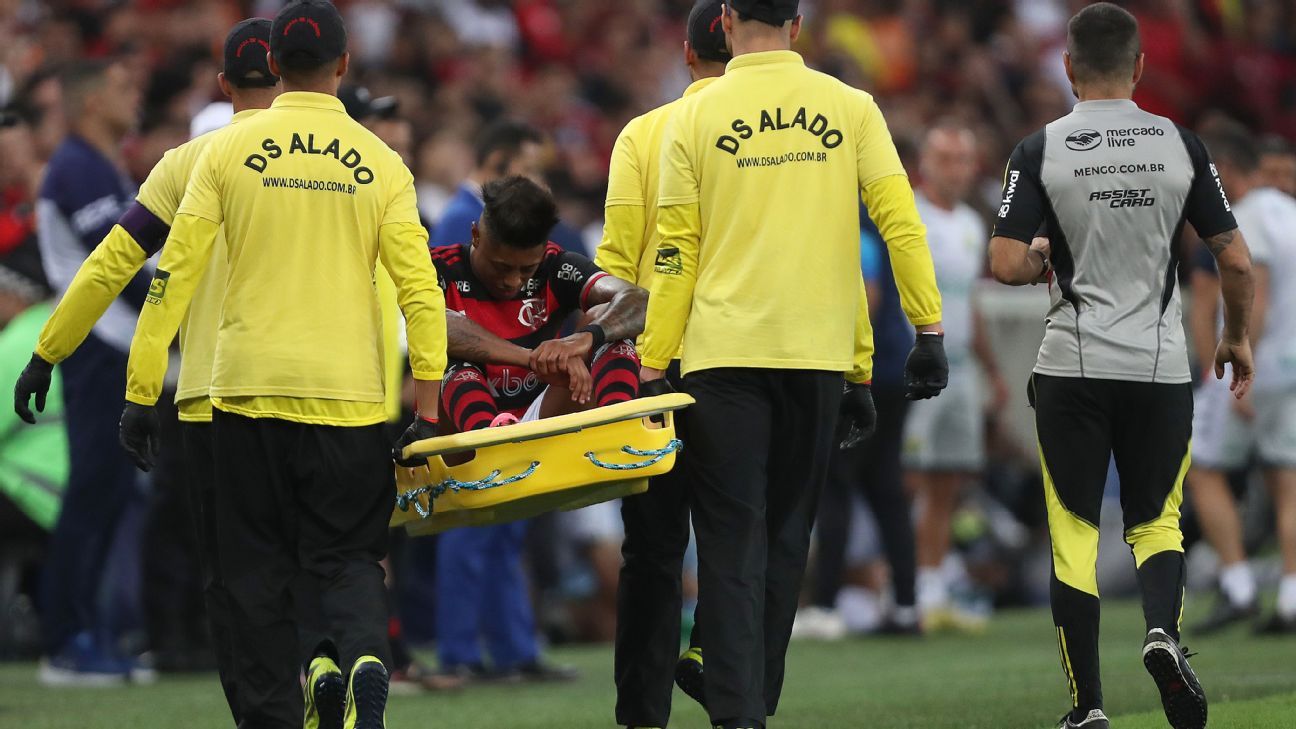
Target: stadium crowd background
pixel 578 70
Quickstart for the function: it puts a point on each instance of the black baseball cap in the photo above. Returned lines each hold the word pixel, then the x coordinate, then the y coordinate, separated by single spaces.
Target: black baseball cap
pixel 307 34
pixel 246 47
pixel 361 105
pixel 706 33
pixel 774 12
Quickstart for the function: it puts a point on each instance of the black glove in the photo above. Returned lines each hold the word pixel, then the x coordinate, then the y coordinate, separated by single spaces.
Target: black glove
pixel 926 371
pixel 420 429
pixel 858 415
pixel 139 431
pixel 34 380
pixel 653 388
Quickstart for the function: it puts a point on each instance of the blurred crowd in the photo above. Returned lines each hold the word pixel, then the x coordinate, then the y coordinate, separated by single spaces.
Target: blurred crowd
pixel 430 75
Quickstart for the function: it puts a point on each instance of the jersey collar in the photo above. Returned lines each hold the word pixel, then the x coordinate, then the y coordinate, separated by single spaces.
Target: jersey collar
pixel 698 85
pixel 1106 105
pixel 765 58
pixel 309 100
pixel 244 115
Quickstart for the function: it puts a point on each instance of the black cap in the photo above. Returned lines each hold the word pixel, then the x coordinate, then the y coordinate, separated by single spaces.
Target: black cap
pixel 246 47
pixel 361 105
pixel 307 34
pixel 706 33
pixel 774 12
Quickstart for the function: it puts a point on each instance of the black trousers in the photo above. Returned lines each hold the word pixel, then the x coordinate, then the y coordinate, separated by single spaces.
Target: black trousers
pixel 293 501
pixel 759 443
pixel 199 474
pixel 873 470
pixel 1082 425
pixel 650 591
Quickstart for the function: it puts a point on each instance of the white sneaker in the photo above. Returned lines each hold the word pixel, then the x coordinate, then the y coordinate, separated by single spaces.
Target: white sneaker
pixel 816 623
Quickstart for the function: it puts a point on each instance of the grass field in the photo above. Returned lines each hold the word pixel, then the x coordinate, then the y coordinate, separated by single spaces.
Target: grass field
pixel 1006 679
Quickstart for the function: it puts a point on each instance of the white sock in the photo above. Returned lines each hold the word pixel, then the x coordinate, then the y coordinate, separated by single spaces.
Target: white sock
pixel 1238 584
pixel 932 590
pixel 1287 597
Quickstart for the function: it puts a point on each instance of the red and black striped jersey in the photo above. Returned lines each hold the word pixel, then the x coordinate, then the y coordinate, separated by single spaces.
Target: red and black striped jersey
pixel 558 288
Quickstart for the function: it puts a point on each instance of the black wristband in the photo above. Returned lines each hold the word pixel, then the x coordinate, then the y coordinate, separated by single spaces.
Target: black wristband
pixel 596 331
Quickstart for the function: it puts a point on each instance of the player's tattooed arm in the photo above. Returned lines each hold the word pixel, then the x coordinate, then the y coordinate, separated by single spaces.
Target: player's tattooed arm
pixel 1218 243
pixel 471 342
pixel 626 310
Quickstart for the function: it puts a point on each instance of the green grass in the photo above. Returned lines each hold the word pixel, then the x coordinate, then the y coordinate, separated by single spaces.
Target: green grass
pixel 1006 679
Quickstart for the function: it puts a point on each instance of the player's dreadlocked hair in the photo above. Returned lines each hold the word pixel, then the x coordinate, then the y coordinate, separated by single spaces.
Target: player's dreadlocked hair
pixel 518 212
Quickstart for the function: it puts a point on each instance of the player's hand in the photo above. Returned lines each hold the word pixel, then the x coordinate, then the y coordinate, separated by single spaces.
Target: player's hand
pixel 653 388
pixel 34 380
pixel 926 371
pixel 649 374
pixel 1042 246
pixel 579 380
pixel 550 358
pixel 1237 354
pixel 138 432
pixel 420 429
pixel 858 415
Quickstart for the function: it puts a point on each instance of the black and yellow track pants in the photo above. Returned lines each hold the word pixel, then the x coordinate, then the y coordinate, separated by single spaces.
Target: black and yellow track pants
pixel 1082 424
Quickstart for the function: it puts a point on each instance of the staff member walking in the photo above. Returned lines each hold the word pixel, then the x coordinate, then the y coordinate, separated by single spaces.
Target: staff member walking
pixel 309 199
pixel 650 591
pixel 1114 185
pixel 138 234
pixel 770 162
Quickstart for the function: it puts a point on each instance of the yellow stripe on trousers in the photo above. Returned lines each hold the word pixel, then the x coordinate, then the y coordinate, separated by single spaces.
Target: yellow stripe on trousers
pixel 1162 534
pixel 1066 667
pixel 1075 541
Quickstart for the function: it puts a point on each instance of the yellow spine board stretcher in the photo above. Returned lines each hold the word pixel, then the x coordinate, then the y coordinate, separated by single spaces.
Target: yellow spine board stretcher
pixel 520 471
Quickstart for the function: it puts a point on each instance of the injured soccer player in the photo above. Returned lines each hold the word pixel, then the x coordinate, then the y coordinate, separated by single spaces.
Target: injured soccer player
pixel 508 294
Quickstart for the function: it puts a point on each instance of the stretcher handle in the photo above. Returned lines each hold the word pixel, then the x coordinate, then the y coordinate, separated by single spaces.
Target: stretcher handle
pixel 653 457
pixel 411 497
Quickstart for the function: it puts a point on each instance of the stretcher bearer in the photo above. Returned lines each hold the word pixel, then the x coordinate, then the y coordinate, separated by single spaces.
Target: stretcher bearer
pixel 650 591
pixel 138 234
pixel 1113 185
pixel 757 275
pixel 309 199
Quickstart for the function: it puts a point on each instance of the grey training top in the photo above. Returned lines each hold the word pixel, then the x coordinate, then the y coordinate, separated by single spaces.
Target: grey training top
pixel 1111 186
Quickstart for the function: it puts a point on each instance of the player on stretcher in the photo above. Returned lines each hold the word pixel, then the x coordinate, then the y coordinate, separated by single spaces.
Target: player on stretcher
pixel 508 294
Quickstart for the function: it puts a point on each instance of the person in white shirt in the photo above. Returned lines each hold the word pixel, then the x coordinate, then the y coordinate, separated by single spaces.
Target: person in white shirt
pixel 1229 432
pixel 944 442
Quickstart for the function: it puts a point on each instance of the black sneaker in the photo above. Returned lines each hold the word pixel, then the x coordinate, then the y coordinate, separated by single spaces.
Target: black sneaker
pixel 1181 694
pixel 1095 719
pixel 1224 614
pixel 366 706
pixel 542 672
pixel 1276 625
pixel 689 676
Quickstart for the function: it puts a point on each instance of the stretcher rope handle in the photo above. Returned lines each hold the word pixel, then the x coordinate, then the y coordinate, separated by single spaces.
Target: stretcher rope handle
pixel 654 457
pixel 411 498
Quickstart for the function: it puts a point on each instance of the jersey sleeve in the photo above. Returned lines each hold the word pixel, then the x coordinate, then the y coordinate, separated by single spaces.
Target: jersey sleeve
pixel 164 188
pixel 1207 207
pixel 202 196
pixel 573 275
pixel 862 367
pixel 403 251
pixel 891 206
pixel 184 260
pixel 679 181
pixel 402 208
pixel 625 176
pixel 1022 212
pixel 876 155
pixel 674 279
pixel 623 236
pixel 103 275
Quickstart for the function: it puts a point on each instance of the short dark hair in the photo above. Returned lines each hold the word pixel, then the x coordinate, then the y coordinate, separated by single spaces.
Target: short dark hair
pixel 518 213
pixel 1233 144
pixel 506 135
pixel 1103 40
pixel 78 80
